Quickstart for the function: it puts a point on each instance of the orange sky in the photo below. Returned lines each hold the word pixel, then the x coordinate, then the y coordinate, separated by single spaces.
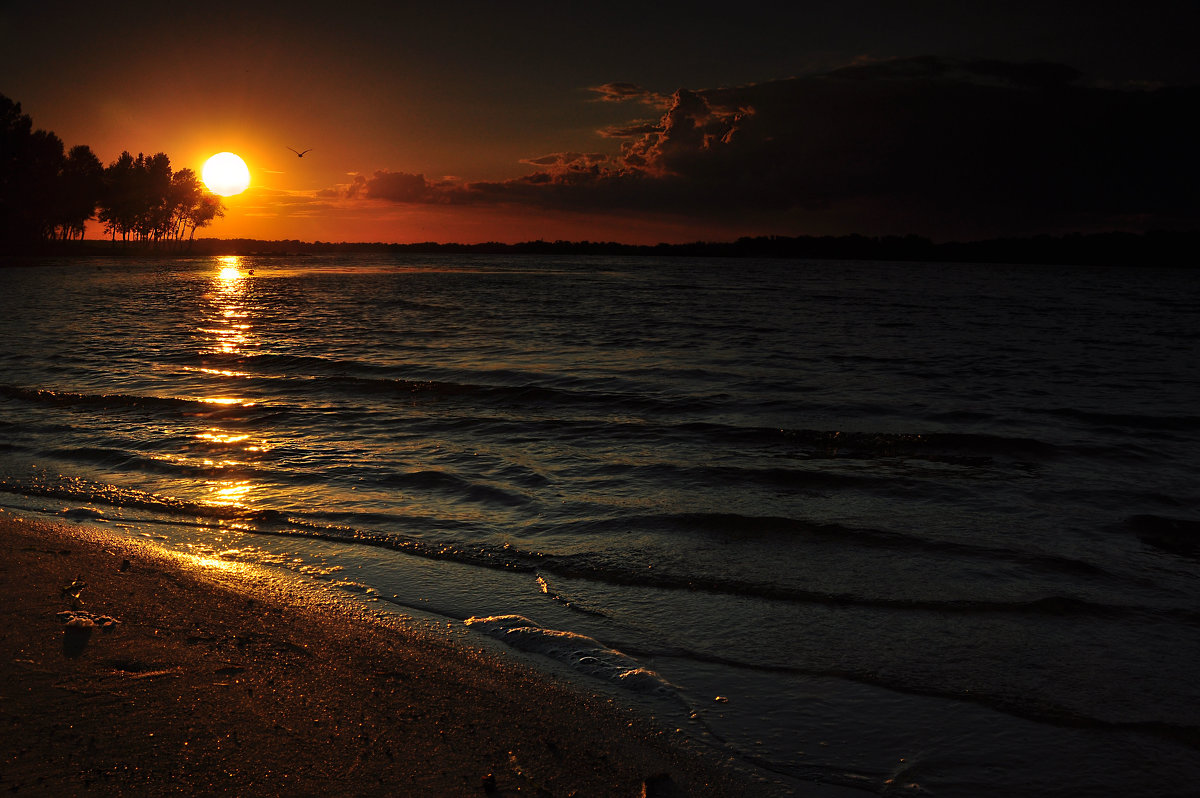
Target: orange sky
pixel 265 213
pixel 673 122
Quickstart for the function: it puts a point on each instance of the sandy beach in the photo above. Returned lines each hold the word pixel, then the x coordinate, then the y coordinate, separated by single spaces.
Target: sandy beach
pixel 127 670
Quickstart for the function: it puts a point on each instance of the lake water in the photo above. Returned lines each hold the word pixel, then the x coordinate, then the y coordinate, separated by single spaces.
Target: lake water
pixel 902 528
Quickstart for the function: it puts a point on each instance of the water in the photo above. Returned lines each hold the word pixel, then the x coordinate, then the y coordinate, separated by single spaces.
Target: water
pixel 898 528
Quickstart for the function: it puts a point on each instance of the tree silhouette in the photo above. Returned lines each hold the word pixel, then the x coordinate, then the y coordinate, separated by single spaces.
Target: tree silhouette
pixel 184 194
pixel 202 214
pixel 49 195
pixel 82 184
pixel 154 184
pixel 16 130
pixel 30 163
pixel 119 197
pixel 189 206
pixel 144 199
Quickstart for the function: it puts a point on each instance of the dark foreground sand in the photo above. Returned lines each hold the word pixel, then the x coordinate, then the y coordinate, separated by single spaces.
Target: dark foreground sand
pixel 210 683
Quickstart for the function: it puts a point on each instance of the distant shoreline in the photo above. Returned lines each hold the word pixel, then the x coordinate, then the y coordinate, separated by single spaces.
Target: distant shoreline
pixel 1157 248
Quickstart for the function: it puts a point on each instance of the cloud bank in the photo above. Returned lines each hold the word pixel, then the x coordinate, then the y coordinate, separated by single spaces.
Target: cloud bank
pixel 924 145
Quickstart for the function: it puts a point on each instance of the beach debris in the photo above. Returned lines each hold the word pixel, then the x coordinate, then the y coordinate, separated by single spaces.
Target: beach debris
pixel 78 627
pixel 74 620
pixel 74 589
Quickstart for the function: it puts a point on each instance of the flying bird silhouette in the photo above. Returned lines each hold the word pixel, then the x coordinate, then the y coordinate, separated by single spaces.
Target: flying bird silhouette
pixel 300 154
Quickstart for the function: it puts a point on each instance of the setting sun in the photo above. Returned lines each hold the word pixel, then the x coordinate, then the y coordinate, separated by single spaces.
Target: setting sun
pixel 225 174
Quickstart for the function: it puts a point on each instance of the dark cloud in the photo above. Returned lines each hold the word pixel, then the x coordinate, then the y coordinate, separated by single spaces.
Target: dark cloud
pixel 1040 74
pixel 630 92
pixel 392 186
pixel 568 160
pixel 635 129
pixel 941 146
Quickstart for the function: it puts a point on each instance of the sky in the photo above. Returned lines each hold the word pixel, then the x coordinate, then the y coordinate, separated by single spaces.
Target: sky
pixel 635 122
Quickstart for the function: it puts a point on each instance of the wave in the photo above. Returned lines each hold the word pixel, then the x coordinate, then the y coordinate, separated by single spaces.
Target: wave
pixel 623 570
pixel 367 391
pixel 123 401
pixel 1179 536
pixel 1183 423
pixel 459 487
pixel 134 463
pixel 577 651
pixel 942 446
pixel 735 526
pixel 1018 705
pixel 77 490
pixel 968 449
pixel 274 365
pixel 659 418
pixel 113 400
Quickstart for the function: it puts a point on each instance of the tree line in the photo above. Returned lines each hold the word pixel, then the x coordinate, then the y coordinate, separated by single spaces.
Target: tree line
pixel 49 193
pixel 1154 248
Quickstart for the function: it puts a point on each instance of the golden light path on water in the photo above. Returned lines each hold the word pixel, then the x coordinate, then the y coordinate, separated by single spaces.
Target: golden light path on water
pixel 229 330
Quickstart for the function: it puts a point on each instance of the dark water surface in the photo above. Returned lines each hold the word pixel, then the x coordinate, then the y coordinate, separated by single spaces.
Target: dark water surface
pixel 920 527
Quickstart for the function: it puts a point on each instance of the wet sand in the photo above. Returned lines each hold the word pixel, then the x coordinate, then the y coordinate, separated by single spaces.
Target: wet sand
pixel 169 675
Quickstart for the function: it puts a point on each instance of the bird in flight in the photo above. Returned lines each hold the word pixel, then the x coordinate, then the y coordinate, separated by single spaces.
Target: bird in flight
pixel 300 154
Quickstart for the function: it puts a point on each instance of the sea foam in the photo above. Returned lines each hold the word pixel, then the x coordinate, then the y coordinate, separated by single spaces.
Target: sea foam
pixel 579 652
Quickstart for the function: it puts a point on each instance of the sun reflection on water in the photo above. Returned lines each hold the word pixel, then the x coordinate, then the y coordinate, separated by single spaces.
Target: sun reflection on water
pixel 229 322
pixel 226 328
pixel 217 436
pixel 229 492
pixel 218 372
pixel 231 267
pixel 215 563
pixel 225 400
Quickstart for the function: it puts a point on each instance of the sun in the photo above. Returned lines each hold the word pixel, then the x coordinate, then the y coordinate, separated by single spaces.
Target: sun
pixel 225 174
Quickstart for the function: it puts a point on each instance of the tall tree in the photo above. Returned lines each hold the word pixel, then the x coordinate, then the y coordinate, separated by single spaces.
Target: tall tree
pixel 30 164
pixel 184 194
pixel 118 208
pixel 81 185
pixel 203 213
pixel 16 129
pixel 188 206
pixel 154 179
